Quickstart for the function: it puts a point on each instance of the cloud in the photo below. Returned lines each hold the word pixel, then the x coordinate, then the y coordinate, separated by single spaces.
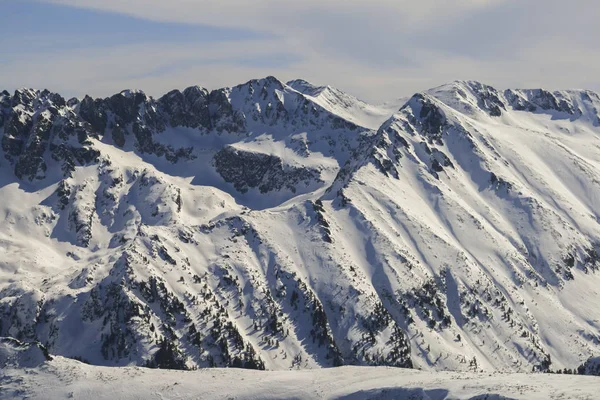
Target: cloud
pixel 163 65
pixel 378 50
pixel 274 14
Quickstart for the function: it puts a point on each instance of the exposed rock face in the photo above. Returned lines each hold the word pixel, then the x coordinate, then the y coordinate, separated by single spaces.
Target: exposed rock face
pixel 222 115
pixel 94 112
pixel 246 170
pixel 488 98
pixel 189 109
pixel 423 115
pixel 532 99
pixel 39 125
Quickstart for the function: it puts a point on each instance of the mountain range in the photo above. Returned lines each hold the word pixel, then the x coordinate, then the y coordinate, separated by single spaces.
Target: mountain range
pixel 278 225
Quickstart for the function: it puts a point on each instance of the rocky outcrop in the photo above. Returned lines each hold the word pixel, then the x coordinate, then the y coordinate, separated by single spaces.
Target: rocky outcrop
pixel 39 127
pixel 533 99
pixel 488 99
pixel 265 172
pixel 431 119
pixel 188 108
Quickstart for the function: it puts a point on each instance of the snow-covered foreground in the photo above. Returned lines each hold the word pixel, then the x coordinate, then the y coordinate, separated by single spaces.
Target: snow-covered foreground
pixel 28 371
pixel 64 378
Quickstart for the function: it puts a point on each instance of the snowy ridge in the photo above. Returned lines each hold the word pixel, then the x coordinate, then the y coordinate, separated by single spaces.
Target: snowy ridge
pixel 346 105
pixel 274 226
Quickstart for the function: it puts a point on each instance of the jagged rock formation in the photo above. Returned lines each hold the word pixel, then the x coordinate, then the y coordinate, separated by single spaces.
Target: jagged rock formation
pixel 276 226
pixel 266 172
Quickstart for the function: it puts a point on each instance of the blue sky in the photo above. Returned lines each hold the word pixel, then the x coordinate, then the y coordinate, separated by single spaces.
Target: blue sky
pixel 73 28
pixel 377 50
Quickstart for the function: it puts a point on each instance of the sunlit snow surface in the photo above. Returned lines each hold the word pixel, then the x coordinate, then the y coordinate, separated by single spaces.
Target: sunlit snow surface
pixel 445 236
pixel 68 379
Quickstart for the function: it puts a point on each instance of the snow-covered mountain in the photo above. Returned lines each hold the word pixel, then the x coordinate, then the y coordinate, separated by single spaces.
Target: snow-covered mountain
pixel 275 225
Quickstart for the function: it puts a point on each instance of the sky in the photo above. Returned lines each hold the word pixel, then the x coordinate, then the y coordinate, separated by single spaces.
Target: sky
pixel 377 50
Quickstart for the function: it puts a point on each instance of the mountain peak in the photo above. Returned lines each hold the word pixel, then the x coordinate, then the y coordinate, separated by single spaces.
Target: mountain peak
pixel 269 82
pixel 306 87
pixel 473 98
pixel 131 93
pixel 470 97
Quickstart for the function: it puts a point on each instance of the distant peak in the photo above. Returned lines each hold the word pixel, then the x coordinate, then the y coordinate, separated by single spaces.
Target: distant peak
pixel 299 82
pixel 271 78
pixel 26 91
pixel 305 87
pixel 131 93
pixel 469 97
pixel 462 86
pixel 195 90
pixel 267 81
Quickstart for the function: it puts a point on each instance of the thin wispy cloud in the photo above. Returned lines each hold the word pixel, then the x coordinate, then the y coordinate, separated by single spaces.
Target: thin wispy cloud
pixel 377 50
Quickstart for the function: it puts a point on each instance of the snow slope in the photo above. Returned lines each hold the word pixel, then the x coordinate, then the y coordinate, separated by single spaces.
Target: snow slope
pixel 277 226
pixel 347 106
pixel 63 378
